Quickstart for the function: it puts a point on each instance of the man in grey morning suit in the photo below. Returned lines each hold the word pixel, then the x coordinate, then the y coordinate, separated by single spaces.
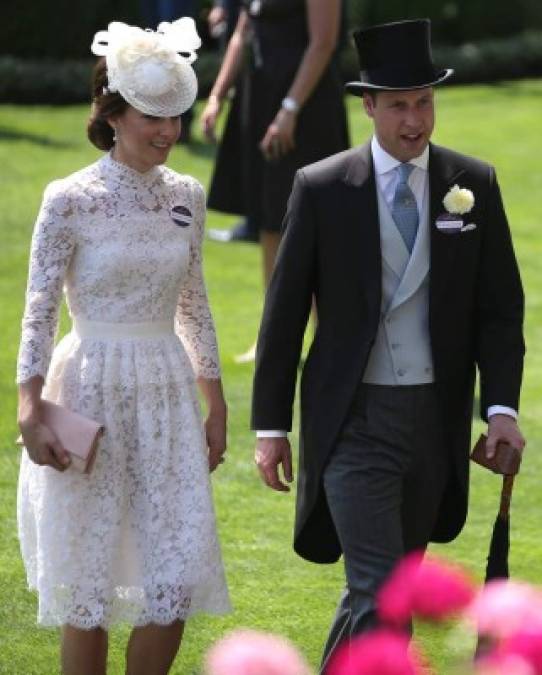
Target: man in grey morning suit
pixel 411 297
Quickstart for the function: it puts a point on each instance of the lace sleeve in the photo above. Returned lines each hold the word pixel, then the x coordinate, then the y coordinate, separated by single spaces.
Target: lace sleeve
pixel 50 254
pixel 193 320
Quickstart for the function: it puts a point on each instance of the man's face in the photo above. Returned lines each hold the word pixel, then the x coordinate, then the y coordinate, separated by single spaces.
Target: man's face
pixel 403 120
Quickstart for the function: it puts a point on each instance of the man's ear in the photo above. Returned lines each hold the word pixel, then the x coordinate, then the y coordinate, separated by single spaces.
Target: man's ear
pixel 368 104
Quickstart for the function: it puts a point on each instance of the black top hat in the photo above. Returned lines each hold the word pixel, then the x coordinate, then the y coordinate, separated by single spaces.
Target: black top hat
pixel 396 56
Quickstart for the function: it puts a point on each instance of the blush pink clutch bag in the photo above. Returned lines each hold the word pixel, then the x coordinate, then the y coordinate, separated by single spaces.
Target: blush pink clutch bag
pixel 78 434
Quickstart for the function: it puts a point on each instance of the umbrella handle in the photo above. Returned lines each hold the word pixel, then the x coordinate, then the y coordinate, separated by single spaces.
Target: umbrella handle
pixel 506 496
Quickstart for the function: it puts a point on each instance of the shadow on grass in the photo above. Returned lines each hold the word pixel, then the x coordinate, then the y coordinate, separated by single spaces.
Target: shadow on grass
pixel 7 134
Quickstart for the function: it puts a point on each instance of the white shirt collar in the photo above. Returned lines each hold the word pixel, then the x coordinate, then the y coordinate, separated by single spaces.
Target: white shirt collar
pixel 384 162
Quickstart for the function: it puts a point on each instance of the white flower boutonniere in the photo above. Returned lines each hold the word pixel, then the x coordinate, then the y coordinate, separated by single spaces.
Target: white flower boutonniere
pixel 458 200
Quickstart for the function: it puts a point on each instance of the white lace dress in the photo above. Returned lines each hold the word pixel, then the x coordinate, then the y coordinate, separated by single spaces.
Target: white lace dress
pixel 136 540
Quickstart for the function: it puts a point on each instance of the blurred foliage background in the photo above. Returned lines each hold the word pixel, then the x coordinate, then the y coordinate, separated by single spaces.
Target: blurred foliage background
pixel 44 46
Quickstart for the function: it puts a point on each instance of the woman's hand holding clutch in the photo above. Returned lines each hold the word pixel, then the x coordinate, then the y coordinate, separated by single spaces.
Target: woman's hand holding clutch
pixel 42 446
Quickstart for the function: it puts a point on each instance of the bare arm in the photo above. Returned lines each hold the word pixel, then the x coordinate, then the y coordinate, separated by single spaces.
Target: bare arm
pixel 226 77
pixel 29 398
pixel 323 18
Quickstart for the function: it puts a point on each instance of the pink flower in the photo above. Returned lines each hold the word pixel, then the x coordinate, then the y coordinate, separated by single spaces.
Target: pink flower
pixel 526 644
pixel 381 652
pixel 247 652
pixel 427 588
pixel 503 664
pixel 503 607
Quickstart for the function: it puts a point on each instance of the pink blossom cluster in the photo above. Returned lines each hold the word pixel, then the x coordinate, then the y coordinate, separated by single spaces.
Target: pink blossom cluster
pixel 381 652
pixel 248 652
pixel 425 588
pixel 506 615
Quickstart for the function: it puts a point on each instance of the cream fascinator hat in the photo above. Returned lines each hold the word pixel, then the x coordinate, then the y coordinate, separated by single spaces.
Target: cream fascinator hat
pixel 151 70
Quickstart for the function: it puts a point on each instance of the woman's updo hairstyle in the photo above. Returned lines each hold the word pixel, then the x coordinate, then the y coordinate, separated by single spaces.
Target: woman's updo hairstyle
pixel 104 106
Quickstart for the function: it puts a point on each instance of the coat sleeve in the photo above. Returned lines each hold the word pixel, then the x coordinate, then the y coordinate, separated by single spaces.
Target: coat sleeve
pixel 500 309
pixel 285 315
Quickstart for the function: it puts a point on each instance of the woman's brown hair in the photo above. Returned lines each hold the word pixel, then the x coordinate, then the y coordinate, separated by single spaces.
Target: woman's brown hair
pixel 104 106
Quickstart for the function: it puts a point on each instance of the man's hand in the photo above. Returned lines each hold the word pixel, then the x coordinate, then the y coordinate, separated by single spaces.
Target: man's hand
pixel 503 428
pixel 269 453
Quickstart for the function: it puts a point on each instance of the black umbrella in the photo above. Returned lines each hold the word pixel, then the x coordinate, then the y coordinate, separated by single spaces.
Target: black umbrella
pixel 497 559
pixel 505 462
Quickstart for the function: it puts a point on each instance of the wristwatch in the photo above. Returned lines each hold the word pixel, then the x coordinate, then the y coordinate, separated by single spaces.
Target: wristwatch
pixel 290 104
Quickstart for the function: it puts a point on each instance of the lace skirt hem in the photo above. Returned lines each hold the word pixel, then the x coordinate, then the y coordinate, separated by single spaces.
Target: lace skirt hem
pixel 128 613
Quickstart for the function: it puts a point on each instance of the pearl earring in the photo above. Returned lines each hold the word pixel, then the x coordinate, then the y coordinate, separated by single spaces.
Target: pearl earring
pixel 115 134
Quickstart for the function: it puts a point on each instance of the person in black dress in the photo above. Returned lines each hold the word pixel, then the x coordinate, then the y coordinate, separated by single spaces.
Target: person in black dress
pixel 292 109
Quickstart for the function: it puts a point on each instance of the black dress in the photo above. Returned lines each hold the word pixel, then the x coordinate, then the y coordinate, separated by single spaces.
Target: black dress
pixel 243 181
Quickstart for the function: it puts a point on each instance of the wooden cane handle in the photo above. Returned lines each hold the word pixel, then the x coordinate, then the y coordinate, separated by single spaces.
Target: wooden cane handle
pixel 506 495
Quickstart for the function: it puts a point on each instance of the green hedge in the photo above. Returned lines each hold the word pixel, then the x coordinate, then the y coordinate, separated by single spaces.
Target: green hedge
pixel 454 22
pixel 25 81
pixel 485 61
pixel 59 82
pixel 42 29
pixel 63 29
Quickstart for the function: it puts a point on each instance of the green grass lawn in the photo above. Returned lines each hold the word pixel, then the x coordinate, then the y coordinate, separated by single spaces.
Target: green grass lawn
pixel 271 588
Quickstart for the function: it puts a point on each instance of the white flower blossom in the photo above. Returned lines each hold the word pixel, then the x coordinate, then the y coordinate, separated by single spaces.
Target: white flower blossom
pixel 458 200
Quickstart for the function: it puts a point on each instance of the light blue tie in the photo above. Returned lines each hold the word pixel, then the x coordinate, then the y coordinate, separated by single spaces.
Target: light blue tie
pixel 404 208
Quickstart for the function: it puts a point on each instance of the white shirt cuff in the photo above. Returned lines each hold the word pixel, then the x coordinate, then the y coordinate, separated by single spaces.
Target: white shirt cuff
pixel 501 410
pixel 271 434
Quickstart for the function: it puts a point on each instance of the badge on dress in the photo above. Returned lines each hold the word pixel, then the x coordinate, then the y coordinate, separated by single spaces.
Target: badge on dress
pixel 181 216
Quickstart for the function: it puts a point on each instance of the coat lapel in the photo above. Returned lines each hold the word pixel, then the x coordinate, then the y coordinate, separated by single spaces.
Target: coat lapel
pixel 360 211
pixel 443 173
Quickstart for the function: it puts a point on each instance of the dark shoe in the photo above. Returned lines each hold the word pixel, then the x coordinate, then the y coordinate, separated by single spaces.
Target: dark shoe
pixel 240 232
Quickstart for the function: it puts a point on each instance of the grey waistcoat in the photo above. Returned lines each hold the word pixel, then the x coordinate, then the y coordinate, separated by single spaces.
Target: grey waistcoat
pixel 401 353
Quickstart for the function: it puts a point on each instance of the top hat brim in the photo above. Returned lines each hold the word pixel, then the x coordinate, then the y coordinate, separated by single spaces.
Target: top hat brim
pixel 358 88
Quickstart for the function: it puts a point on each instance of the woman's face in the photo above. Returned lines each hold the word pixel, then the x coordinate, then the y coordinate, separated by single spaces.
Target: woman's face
pixel 143 141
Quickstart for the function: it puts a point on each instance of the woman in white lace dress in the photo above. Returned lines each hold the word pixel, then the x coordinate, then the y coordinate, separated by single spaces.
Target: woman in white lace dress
pixel 136 540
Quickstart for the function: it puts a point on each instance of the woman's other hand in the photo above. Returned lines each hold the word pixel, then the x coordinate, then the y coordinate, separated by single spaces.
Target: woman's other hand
pixel 215 424
pixel 279 138
pixel 215 431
